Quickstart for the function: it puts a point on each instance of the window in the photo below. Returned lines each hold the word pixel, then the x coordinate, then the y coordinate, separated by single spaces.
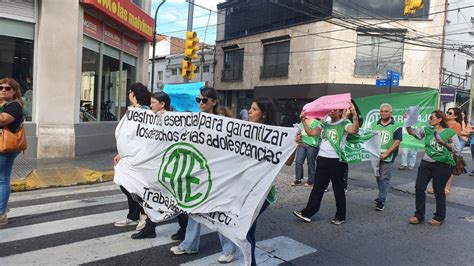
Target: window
pixel 174 71
pixel 16 61
pixel 197 69
pixel 160 75
pixel 233 65
pixel 275 60
pixel 110 89
pixel 90 85
pixel 137 3
pixel 375 55
pixel 206 69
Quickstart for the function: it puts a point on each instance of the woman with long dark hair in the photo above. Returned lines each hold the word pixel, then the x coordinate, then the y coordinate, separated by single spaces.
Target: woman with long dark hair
pixel 440 142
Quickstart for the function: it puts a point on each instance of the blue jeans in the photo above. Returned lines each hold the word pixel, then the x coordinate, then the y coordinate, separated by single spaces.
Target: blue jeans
pixel 251 233
pixel 383 179
pixel 193 236
pixel 472 156
pixel 306 152
pixel 408 153
pixel 6 166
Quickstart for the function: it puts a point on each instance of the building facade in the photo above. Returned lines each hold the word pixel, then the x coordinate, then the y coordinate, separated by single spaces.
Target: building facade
pixel 297 51
pixel 74 60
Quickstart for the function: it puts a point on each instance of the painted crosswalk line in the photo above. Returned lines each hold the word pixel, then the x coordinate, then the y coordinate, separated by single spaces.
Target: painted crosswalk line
pixel 94 249
pixel 268 252
pixel 65 205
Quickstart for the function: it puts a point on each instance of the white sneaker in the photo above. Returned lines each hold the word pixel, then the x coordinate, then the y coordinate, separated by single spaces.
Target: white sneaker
pixel 177 250
pixel 223 258
pixel 125 222
pixel 141 222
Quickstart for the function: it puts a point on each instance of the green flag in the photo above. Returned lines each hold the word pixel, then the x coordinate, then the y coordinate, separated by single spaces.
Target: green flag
pixel 427 101
pixel 362 146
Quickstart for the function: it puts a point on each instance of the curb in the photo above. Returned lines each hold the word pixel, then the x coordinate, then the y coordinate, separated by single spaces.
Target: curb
pixel 60 177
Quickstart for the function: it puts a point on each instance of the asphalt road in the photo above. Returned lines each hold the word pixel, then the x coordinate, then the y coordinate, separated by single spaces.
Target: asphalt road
pixel 75 226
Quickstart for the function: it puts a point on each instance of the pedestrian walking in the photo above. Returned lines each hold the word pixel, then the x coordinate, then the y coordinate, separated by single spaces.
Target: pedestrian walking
pixel 139 97
pixel 330 164
pixel 308 150
pixel 159 103
pixel 11 118
pixel 408 159
pixel 207 101
pixel 440 142
pixel 390 138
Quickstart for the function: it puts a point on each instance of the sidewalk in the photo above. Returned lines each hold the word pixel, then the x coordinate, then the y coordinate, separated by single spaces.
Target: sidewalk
pixel 38 173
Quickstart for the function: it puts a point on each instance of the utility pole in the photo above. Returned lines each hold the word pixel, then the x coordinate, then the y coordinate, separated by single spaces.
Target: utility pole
pixel 471 98
pixel 190 22
pixel 152 85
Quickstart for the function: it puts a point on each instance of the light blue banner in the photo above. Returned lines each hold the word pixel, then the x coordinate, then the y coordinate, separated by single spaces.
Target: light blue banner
pixel 183 96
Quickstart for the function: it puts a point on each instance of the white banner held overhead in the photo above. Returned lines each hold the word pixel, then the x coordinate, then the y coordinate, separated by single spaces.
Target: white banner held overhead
pixel 217 169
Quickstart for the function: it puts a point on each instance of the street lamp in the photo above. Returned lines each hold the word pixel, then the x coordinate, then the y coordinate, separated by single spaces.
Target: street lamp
pixel 154 45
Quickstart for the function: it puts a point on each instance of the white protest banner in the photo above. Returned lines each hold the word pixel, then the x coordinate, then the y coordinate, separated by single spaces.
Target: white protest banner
pixel 218 170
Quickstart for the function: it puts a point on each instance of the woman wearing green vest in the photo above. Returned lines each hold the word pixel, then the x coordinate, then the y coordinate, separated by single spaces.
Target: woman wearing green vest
pixel 330 164
pixel 440 143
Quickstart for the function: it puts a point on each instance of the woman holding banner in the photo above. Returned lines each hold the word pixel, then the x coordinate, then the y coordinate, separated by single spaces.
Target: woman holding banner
pixel 330 164
pixel 207 101
pixel 440 143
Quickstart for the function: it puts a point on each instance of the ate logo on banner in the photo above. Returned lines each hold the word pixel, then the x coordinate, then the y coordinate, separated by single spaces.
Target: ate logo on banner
pixel 331 134
pixel 435 145
pixel 182 172
pixel 384 137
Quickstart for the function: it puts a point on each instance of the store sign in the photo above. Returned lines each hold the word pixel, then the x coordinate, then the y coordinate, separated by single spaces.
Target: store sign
pixel 130 45
pixel 112 37
pixel 447 94
pixel 126 13
pixel 93 27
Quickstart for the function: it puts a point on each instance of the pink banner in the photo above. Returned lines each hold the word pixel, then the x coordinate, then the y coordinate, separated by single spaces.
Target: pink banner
pixel 321 106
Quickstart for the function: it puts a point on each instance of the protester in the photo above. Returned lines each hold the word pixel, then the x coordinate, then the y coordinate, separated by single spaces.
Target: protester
pixel 207 104
pixel 159 103
pixel 465 130
pixel 261 111
pixel 11 117
pixel 330 163
pixel 224 111
pixel 454 120
pixel 139 97
pixel 308 150
pixel 408 159
pixel 440 142
pixel 390 138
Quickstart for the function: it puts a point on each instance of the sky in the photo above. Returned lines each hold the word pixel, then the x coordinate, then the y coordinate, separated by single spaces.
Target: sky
pixel 173 14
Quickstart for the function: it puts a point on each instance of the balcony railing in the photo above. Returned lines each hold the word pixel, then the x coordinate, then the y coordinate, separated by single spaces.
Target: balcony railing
pixel 232 74
pixel 274 71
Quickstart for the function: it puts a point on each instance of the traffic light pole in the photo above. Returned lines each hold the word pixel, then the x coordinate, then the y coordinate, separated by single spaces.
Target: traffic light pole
pixel 152 85
pixel 190 22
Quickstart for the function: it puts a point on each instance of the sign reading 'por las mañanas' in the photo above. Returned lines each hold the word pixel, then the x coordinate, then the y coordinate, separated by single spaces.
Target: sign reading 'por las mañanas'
pixel 217 169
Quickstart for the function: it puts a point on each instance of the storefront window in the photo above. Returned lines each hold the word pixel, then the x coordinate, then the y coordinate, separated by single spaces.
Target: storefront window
pixel 128 78
pixel 90 85
pixel 16 61
pixel 110 89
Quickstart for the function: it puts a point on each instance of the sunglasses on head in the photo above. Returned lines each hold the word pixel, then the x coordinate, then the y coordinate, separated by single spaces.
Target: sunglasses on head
pixel 203 100
pixel 5 87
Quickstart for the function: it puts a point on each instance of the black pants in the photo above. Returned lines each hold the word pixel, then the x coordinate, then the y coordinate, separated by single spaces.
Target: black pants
pixel 440 173
pixel 134 208
pixel 183 223
pixel 327 169
pixel 251 232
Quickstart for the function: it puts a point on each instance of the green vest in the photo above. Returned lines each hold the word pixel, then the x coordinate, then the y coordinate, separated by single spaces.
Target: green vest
pixel 308 140
pixel 334 134
pixel 271 196
pixel 386 137
pixel 436 151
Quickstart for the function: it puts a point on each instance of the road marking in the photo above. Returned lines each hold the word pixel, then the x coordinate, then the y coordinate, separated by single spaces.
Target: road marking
pixel 40 194
pixel 268 252
pixel 65 205
pixel 29 231
pixel 94 249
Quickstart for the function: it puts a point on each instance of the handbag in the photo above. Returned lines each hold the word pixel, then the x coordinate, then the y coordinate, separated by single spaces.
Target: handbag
pixel 460 167
pixel 12 141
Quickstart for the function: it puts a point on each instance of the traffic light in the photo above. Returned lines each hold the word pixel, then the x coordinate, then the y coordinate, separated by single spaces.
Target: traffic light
pixel 188 69
pixel 412 5
pixel 192 45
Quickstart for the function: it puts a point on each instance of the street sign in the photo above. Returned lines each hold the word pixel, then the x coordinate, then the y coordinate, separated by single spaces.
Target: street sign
pixel 447 94
pixel 395 76
pixel 382 82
